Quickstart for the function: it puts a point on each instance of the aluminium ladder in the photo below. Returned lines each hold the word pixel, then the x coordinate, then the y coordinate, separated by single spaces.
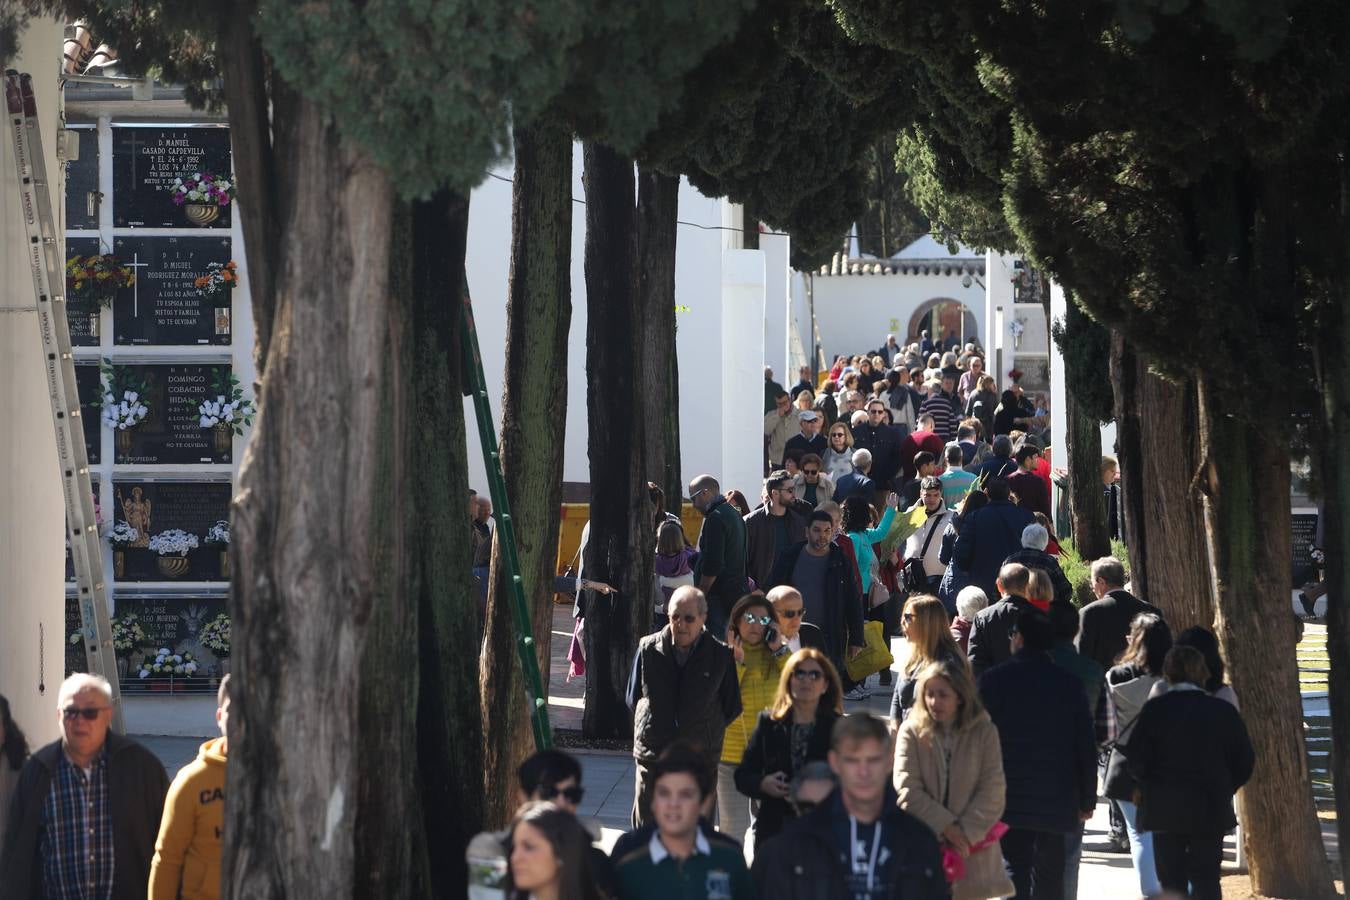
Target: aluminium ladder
pixel 49 289
pixel 475 384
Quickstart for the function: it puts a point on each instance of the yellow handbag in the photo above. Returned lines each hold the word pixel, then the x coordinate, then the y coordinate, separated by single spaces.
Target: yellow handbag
pixel 875 655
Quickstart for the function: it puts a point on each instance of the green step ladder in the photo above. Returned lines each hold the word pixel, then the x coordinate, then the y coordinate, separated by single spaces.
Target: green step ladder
pixel 476 386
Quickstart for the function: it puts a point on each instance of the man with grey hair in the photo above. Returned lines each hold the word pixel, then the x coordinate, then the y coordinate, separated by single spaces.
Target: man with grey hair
pixel 719 572
pixel 1035 539
pixel 683 687
pixel 856 482
pixel 1000 465
pixel 87 807
pixel 1104 624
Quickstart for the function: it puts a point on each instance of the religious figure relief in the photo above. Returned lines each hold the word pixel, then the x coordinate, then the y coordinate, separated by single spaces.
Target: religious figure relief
pixel 136 512
pixel 194 619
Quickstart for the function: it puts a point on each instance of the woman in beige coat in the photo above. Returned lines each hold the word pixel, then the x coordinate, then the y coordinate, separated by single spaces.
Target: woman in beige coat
pixel 949 774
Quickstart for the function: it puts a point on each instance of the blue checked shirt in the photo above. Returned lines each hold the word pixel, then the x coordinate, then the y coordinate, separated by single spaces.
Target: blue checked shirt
pixel 77 837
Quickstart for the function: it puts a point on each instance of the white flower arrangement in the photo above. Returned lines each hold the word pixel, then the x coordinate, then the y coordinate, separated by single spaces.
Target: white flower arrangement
pixel 219 533
pixel 123 535
pixel 174 542
pixel 224 412
pixel 216 635
pixel 124 413
pixel 167 663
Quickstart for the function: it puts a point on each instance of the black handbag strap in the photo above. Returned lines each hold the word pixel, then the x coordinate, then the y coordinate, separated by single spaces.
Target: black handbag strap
pixel 932 531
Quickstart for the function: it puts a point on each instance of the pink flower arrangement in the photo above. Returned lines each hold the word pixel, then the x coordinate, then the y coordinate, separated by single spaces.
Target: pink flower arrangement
pixel 202 187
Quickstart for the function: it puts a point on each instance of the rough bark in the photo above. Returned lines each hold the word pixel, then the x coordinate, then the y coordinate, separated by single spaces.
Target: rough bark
pixel 1245 482
pixel 1087 502
pixel 243 68
pixel 449 755
pixel 619 549
pixel 323 718
pixel 657 211
pixel 1162 513
pixel 534 415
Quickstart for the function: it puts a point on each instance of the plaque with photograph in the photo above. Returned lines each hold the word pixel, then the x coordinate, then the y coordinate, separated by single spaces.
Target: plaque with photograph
pixel 155 507
pixel 171 432
pixel 82 193
pixel 164 306
pixel 82 315
pixel 147 160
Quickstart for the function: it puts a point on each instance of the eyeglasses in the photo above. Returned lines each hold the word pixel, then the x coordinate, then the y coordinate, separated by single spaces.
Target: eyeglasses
pixel 808 674
pixel 571 794
pixel 751 619
pixel 790 613
pixel 686 618
pixel 89 713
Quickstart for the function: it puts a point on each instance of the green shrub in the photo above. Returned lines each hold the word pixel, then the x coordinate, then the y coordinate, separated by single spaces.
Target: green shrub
pixel 1079 571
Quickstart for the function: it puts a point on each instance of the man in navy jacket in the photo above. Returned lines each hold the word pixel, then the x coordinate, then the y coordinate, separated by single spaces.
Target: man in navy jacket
pixel 990 536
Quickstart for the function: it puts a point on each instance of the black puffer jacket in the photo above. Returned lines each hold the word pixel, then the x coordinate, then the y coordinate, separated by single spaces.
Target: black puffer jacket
pixel 694 702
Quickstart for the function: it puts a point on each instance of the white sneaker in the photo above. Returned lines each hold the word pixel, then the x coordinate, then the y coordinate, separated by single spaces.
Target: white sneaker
pixel 859 692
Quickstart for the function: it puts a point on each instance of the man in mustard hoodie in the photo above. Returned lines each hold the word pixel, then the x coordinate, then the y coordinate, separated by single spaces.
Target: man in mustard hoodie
pixel 187 853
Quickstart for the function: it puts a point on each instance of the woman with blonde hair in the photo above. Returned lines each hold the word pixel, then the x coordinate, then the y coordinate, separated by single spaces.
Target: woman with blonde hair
pixel 949 775
pixel 793 732
pixel 928 639
pixel 838 456
pixel 1040 589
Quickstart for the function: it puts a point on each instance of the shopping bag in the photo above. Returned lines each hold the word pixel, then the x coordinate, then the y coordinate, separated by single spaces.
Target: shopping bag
pixel 875 655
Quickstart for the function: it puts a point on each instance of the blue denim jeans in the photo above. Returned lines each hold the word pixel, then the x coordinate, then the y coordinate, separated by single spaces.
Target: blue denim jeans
pixel 1073 855
pixel 1141 851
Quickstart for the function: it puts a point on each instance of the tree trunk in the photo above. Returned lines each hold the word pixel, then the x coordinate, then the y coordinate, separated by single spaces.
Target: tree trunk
pixel 322 781
pixel 449 755
pixel 657 211
pixel 749 228
pixel 619 550
pixel 1245 481
pixel 1087 501
pixel 534 415
pixel 1162 514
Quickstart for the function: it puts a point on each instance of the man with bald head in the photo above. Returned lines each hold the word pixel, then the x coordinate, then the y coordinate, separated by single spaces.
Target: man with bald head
pixel 991 631
pixel 683 687
pixel 720 570
pixel 790 608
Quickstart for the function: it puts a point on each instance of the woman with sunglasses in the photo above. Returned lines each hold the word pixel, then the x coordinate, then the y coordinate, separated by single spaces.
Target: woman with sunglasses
pixel 793 732
pixel 928 640
pixel 755 642
pixel 838 457
pixel 949 774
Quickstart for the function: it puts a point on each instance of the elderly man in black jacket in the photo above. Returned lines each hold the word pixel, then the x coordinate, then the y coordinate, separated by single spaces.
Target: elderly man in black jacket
pixel 1032 555
pixel 1049 755
pixel 828 583
pixel 991 629
pixel 683 687
pixel 52 848
pixel 1104 624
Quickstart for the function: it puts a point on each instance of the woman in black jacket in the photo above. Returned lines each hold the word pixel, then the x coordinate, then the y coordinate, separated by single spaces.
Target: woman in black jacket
pixel 1189 753
pixel 795 731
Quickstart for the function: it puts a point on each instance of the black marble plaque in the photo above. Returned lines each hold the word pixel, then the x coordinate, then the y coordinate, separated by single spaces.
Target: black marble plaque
pixel 163 306
pixel 153 507
pixel 147 160
pixel 1305 530
pixel 98 515
pixel 82 194
pixel 172 622
pixel 90 387
pixel 171 432
pixel 82 315
pixel 77 660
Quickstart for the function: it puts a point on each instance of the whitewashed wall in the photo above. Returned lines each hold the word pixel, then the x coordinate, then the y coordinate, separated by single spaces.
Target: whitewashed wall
pixel 856 312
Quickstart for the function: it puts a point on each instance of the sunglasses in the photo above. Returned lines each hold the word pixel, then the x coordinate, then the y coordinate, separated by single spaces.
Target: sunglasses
pixel 790 613
pixel 751 619
pixel 571 794
pixel 686 618
pixel 837 434
pixel 815 471
pixel 89 713
pixel 808 674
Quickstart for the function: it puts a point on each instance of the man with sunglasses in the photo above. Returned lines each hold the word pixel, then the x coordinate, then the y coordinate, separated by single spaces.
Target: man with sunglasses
pixel 795 632
pixel 773 527
pixel 720 571
pixel 87 807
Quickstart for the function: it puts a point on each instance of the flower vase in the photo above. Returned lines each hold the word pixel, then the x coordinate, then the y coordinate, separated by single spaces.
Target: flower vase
pixel 224 439
pixel 201 214
pixel 119 564
pixel 123 441
pixel 173 566
pixel 225 564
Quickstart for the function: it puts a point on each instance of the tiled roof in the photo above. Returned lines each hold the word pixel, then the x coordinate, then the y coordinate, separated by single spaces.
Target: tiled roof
pixel 844 265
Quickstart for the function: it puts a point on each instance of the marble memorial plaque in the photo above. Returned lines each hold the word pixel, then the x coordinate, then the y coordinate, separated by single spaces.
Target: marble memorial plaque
pixel 77 660
pixel 164 306
pixel 153 507
pixel 1305 531
pixel 146 160
pixel 173 622
pixel 82 315
pixel 82 193
pixel 90 387
pixel 70 561
pixel 171 432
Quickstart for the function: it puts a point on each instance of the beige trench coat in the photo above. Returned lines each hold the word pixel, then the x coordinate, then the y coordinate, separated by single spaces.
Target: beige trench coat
pixel 975 796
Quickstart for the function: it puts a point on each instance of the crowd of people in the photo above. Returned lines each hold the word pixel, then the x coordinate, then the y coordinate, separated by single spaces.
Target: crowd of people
pixel 904 498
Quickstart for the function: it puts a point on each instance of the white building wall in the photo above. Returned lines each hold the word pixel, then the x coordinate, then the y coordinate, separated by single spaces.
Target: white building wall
pixel 776 300
pixel 32 511
pixel 855 312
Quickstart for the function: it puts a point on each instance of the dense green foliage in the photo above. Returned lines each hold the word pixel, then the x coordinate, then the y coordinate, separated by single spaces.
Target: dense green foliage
pixel 1086 348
